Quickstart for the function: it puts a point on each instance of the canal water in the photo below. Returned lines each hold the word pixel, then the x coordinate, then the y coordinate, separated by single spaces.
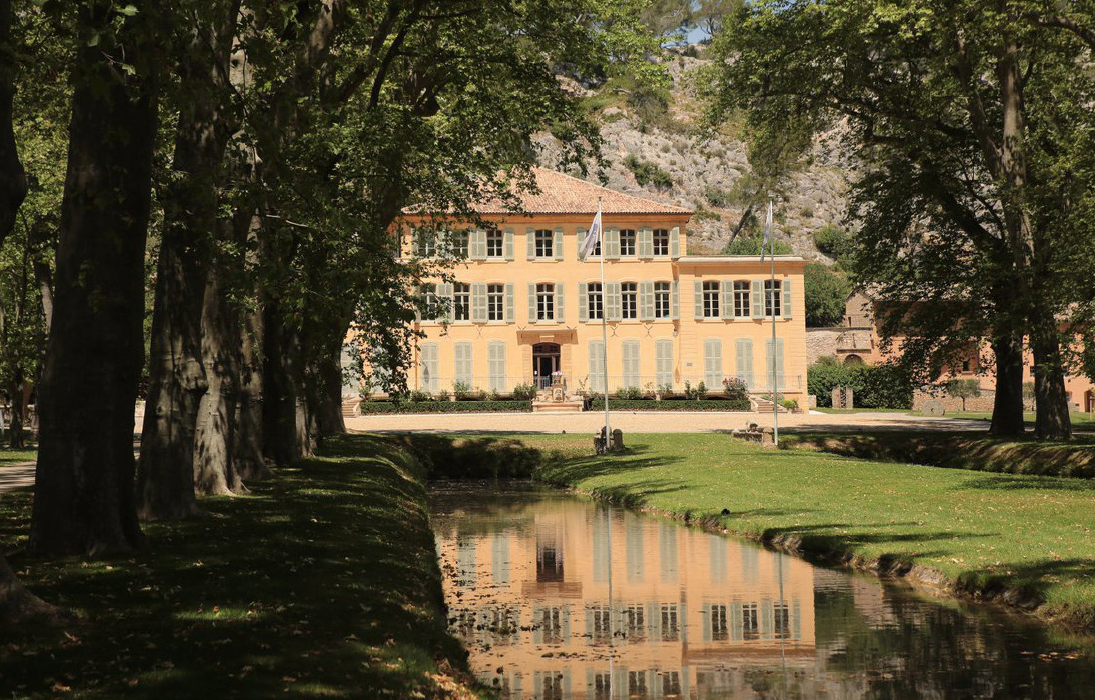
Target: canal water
pixel 557 597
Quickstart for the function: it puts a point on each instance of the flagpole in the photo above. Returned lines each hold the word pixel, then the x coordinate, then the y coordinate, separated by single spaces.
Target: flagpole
pixel 772 297
pixel 604 324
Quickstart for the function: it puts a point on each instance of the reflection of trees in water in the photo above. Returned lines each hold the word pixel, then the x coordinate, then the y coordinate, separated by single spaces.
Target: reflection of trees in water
pixel 926 650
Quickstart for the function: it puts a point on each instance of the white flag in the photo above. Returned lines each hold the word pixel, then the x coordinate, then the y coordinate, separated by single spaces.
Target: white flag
pixel 593 237
pixel 767 233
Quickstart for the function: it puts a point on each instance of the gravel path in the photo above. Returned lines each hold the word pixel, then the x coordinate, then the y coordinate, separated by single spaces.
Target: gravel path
pixel 647 422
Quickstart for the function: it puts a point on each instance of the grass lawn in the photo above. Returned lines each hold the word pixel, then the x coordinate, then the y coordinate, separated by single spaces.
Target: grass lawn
pixel 984 532
pixel 10 456
pixel 320 583
pixel 1080 421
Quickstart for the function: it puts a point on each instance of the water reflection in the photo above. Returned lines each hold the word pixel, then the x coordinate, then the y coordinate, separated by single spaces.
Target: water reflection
pixel 560 598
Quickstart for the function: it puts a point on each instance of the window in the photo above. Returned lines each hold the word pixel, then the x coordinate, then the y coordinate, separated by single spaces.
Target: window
pixel 544 239
pixel 661 300
pixel 719 628
pixel 630 295
pixel 710 299
pixel 782 620
pixel 772 298
pixel 671 627
pixel 425 244
pixel 750 629
pixel 545 302
pixel 494 243
pixel 635 622
pixel 627 242
pixel 495 308
pixel 741 299
pixel 596 301
pixel 461 302
pixel 459 243
pixel 661 242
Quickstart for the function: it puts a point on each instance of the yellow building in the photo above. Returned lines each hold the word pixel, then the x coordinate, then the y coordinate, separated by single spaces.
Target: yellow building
pixel 524 307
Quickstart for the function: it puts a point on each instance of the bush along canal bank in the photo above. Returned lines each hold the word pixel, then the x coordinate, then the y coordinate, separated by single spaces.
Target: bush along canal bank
pixel 1024 541
pixel 323 582
pixel 958 451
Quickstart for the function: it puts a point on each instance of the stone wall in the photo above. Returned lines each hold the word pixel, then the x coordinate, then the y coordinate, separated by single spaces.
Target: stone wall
pixel 979 404
pixel 821 342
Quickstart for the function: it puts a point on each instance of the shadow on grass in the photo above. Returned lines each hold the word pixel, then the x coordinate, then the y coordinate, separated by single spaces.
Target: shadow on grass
pixel 1026 585
pixel 323 582
pixel 1036 483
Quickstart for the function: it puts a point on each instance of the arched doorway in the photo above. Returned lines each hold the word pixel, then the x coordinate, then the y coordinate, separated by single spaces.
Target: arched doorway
pixel 545 362
pixel 853 361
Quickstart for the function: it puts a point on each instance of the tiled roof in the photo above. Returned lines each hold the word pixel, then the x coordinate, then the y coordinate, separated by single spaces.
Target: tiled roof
pixel 564 194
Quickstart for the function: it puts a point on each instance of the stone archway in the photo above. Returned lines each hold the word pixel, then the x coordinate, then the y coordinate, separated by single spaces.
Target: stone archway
pixel 853 361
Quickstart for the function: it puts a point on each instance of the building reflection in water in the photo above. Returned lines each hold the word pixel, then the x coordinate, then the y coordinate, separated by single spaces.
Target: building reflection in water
pixel 687 609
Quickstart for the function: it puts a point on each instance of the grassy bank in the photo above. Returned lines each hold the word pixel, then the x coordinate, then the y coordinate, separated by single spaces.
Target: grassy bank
pixel 954 450
pixel 9 456
pixel 321 583
pixel 1025 540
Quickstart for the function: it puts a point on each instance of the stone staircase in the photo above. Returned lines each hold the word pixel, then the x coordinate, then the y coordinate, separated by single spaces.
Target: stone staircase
pixel 349 407
pixel 762 405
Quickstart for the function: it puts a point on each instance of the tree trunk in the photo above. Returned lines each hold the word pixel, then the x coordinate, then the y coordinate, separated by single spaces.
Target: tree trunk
pixel 83 496
pixel 1007 409
pixel 13 180
pixel 1051 421
pixel 328 405
pixel 247 446
pixel 18 410
pixel 178 382
pixel 18 605
pixel 283 416
pixel 214 466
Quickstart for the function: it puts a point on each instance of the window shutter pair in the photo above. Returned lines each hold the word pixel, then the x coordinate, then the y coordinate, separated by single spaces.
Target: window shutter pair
pixel 478 302
pixel 596 366
pixel 611 243
pixel 462 363
pixel 646 301
pixel 787 303
pixel 646 242
pixel 698 287
pixel 508 311
pixel 663 350
pixel 560 309
pixel 675 242
pixel 631 362
pixel 614 305
pixel 583 302
pixel 712 363
pixel 444 294
pixel 557 244
pixel 774 352
pixel 477 244
pixel 496 366
pixel 530 243
pixel 726 299
pixel 532 302
pixel 507 244
pixel 675 300
pixel 744 352
pixel 758 299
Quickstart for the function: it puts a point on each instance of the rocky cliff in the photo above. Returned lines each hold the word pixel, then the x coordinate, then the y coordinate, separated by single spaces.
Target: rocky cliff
pixel 656 153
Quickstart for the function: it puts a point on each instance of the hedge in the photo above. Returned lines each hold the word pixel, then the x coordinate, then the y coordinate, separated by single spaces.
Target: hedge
pixel 598 404
pixel 879 386
pixel 373 407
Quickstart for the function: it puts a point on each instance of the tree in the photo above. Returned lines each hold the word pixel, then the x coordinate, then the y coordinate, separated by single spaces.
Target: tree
pixel 83 497
pixel 752 245
pixel 712 14
pixel 963 389
pixel 966 120
pixel 837 243
pixel 826 293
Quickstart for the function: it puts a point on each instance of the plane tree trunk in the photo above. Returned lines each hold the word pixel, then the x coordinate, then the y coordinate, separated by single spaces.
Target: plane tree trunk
pixel 1007 409
pixel 84 498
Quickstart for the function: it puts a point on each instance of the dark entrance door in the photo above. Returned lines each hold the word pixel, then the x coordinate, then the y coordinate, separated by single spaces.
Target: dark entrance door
pixel 545 361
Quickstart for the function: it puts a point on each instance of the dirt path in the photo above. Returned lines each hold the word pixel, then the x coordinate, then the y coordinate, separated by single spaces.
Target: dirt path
pixel 16 476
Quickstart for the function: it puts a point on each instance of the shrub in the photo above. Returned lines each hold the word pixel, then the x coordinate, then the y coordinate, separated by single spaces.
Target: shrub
pixel 524 392
pixel 735 388
pixel 666 389
pixel 750 245
pixel 789 404
pixel 701 391
pixel 374 407
pixel 646 173
pixel 461 390
pixel 881 386
pixel 631 393
pixel 442 395
pixel 963 389
pixel 835 243
pixel 718 198
pixel 598 404
pixel 493 395
pixel 419 395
